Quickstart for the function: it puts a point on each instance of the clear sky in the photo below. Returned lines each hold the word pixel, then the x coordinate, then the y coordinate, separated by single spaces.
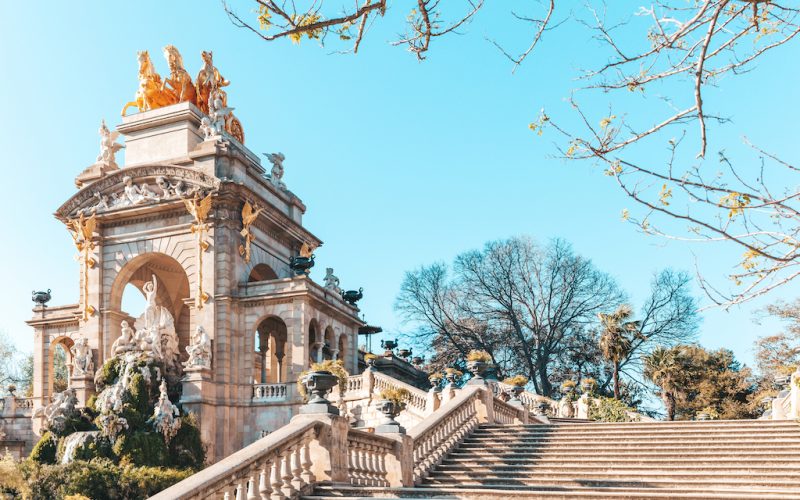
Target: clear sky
pixel 400 163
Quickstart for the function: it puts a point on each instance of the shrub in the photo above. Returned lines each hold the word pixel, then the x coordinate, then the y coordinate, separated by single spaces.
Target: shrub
pixel 396 395
pixel 480 356
pixel 712 413
pixel 186 450
pixel 97 479
pixel 610 410
pixel 141 448
pixel 517 381
pixel 44 452
pixel 11 483
pixel 108 373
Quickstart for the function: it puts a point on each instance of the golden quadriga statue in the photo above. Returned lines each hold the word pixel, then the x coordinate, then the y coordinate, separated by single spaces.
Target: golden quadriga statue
pixel 155 92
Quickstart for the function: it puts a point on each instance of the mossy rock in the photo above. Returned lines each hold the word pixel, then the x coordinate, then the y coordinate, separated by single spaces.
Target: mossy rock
pixel 108 373
pixel 44 452
pixel 141 448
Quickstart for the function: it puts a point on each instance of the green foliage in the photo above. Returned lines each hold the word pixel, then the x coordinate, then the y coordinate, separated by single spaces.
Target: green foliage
pixel 96 479
pixel 44 452
pixel 710 412
pixel 609 410
pixel 12 485
pixel 186 450
pixel 108 373
pixel 141 448
pixel 60 370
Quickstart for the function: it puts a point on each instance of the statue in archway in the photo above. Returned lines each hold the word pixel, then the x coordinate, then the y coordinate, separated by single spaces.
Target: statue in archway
pixel 199 350
pixel 82 362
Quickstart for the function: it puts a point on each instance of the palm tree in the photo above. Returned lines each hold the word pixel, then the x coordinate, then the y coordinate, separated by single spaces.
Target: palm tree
pixel 663 367
pixel 617 338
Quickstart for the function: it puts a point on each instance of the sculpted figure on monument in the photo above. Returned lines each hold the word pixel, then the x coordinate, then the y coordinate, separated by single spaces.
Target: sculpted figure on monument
pixel 199 350
pixel 135 195
pixel 82 362
pixel 166 416
pixel 277 168
pixel 108 145
pixel 176 189
pixel 61 409
pixel 209 81
pixel 150 94
pixel 182 88
pixel 331 281
pixel 125 341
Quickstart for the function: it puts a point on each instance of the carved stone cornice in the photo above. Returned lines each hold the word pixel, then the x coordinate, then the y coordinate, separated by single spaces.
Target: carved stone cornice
pixel 112 183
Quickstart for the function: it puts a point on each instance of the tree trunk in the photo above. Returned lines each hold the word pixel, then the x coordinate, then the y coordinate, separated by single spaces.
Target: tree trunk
pixel 616 379
pixel 669 404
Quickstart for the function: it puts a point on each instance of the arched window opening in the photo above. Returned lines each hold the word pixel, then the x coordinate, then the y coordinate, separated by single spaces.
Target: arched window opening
pixel 262 272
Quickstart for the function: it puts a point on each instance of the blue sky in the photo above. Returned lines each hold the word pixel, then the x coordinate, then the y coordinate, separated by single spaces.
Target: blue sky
pixel 400 163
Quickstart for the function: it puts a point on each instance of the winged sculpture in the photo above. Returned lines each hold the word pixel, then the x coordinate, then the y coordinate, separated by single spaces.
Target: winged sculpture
pixel 198 208
pixel 249 215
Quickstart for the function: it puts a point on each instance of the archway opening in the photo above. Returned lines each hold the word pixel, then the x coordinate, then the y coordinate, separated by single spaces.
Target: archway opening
pixel 127 298
pixel 330 345
pixel 342 348
pixel 60 364
pixel 271 335
pixel 262 272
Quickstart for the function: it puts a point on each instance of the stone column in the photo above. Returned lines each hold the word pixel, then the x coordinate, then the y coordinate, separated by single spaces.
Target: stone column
pixel 198 389
pixel 318 351
pixel 263 348
pixel 433 402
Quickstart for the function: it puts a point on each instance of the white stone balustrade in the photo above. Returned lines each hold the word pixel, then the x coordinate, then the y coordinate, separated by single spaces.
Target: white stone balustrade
pixel 270 392
pixel 324 448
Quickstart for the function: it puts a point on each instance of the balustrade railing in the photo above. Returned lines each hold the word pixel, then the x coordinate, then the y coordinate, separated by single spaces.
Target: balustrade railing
pixel 367 454
pixel 278 466
pixel 438 435
pixel 270 392
pixel 505 413
pixel 417 397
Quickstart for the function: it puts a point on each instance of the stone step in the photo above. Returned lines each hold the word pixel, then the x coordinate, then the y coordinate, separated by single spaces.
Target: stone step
pixel 717 452
pixel 795 434
pixel 656 424
pixel 765 460
pixel 636 442
pixel 795 430
pixel 664 469
pixel 635 479
pixel 544 492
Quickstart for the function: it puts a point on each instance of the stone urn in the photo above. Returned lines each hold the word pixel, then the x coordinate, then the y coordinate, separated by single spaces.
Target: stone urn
pixel 514 391
pixel 703 416
pixel 370 361
pixel 353 296
pixel 318 384
pixel 301 265
pixel 587 387
pixel 41 298
pixel 436 383
pixel 404 353
pixel 390 410
pixel 479 369
pixel 541 407
pixel 781 381
pixel 452 378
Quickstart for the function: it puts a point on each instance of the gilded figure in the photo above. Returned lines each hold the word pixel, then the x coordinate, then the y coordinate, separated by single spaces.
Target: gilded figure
pixel 249 215
pixel 150 94
pixel 179 81
pixel 199 208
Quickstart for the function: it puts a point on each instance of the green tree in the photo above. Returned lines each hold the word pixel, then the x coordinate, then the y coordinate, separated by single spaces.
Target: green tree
pixel 616 339
pixel 663 367
pixel 15 369
pixel 780 352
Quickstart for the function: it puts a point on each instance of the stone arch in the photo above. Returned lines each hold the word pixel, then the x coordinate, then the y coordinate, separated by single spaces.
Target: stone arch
pixel 272 335
pixel 341 346
pixel 172 292
pixel 64 342
pixel 260 257
pixel 314 341
pixel 330 343
pixel 262 272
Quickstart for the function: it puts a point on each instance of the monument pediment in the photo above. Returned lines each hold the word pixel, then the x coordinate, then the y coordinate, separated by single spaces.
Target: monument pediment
pixel 135 187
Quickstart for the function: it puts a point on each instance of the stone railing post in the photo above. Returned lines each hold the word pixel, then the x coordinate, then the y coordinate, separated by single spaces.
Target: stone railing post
pixel 400 463
pixel 777 409
pixel 433 401
pixel 368 383
pixel 328 454
pixel 583 407
pixel 485 406
pixel 449 392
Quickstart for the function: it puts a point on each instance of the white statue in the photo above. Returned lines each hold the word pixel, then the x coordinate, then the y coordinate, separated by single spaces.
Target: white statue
pixel 177 189
pixel 214 124
pixel 166 416
pixel 331 281
pixel 135 195
pixel 125 341
pixel 277 168
pixel 199 350
pixel 108 145
pixel 82 363
pixel 61 409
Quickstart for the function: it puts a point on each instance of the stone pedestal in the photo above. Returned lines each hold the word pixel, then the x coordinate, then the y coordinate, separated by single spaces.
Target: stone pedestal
pixel 84 388
pixel 198 389
pixel 326 408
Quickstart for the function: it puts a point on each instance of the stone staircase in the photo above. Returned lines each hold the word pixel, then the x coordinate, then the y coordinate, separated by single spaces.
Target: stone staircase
pixel 714 459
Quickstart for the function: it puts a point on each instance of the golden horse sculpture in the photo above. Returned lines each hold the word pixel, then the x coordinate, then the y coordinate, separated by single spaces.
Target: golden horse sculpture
pixel 209 80
pixel 155 92
pixel 150 94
